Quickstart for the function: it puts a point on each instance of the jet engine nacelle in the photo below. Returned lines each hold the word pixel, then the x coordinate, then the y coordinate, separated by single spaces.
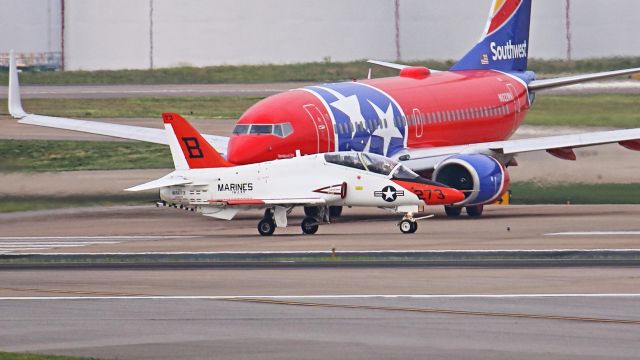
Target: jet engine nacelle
pixel 483 177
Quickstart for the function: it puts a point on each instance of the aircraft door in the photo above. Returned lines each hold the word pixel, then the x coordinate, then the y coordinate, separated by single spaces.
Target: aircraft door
pixel 516 98
pixel 322 127
pixel 418 120
pixel 516 104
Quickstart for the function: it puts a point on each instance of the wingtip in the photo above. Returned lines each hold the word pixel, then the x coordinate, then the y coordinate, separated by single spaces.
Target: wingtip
pixel 14 102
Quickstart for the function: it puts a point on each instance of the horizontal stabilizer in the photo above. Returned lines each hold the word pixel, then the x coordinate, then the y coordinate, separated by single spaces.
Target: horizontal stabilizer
pixel 160 183
pixel 571 80
pixel 388 64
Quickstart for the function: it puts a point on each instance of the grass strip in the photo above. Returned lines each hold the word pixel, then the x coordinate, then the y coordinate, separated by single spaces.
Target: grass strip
pixel 603 110
pixel 210 107
pixel 318 71
pixel 529 193
pixel 30 356
pixel 314 258
pixel 31 203
pixel 52 155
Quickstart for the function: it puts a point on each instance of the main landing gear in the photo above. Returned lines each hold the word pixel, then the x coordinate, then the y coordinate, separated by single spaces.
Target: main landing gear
pixel 266 227
pixel 310 225
pixel 274 217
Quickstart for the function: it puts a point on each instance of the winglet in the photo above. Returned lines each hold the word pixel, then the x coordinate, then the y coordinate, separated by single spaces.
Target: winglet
pixel 188 148
pixel 15 103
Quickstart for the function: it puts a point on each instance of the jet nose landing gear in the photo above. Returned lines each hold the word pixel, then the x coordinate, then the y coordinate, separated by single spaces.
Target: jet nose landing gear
pixel 409 224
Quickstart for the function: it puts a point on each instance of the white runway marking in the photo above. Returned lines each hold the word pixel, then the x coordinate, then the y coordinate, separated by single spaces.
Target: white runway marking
pixel 284 297
pixel 10 244
pixel 595 233
pixel 106 237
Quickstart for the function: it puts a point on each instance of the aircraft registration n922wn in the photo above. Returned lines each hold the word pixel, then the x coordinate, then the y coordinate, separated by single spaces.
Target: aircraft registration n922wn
pixel 205 181
pixel 451 125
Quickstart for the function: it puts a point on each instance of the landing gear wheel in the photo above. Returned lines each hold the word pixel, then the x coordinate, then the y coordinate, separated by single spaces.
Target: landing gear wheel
pixel 408 226
pixel 266 227
pixel 309 225
pixel 335 211
pixel 452 211
pixel 475 211
pixel 311 211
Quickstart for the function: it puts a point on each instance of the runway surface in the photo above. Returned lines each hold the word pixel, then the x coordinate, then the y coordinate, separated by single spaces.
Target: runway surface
pixel 579 327
pixel 147 228
pixel 317 313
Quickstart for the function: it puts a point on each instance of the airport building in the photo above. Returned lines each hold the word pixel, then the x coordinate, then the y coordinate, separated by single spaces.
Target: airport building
pixel 141 34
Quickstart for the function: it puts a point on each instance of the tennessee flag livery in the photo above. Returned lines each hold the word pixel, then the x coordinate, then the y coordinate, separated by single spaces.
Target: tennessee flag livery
pixel 504 45
pixel 453 126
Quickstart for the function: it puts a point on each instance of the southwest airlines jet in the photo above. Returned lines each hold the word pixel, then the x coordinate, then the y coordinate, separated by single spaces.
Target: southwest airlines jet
pixel 451 125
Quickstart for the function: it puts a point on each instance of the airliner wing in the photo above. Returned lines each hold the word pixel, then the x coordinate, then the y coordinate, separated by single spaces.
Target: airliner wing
pixel 157 136
pixel 560 146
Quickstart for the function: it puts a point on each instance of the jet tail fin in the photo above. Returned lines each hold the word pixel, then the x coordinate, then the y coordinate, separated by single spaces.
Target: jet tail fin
pixel 189 149
pixel 504 45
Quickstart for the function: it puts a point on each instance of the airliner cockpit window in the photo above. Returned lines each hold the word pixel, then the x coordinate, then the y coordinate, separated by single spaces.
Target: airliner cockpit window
pixel 241 129
pixel 286 129
pixel 280 130
pixel 351 160
pixel 378 164
pixel 261 129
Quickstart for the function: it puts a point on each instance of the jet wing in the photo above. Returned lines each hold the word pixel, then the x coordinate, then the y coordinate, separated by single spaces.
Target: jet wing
pixel 157 136
pixel 559 146
pixel 261 202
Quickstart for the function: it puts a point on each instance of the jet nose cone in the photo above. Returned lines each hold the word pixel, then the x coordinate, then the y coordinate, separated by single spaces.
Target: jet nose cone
pixel 453 195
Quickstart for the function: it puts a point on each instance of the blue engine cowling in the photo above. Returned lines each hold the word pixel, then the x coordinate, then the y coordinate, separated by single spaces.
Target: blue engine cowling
pixel 482 176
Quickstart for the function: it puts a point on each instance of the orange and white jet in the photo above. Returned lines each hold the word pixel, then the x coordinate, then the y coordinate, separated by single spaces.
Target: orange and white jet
pixel 204 181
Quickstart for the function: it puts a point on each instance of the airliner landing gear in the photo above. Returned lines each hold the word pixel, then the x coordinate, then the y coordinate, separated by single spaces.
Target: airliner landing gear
pixel 472 211
pixel 475 211
pixel 309 225
pixel 452 211
pixel 335 211
pixel 315 211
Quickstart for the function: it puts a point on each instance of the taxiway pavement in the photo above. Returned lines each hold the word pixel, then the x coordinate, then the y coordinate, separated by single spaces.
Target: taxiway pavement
pixel 147 229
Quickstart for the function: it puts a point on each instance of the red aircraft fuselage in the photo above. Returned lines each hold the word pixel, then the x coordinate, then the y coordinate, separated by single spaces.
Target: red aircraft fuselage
pixel 418 109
